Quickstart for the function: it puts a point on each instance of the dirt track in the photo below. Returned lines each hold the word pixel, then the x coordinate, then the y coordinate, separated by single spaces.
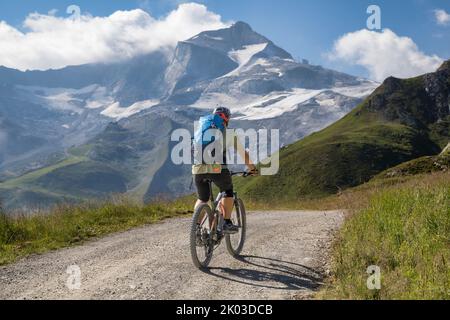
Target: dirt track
pixel 285 257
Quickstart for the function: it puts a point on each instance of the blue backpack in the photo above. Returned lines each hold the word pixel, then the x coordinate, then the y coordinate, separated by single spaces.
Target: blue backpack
pixel 206 123
pixel 201 139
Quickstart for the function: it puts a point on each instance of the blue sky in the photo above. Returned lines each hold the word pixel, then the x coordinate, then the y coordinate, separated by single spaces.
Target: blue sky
pixel 307 29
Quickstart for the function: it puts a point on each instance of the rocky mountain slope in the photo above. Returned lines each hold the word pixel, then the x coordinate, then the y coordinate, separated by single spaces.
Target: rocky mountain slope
pixel 56 125
pixel 402 120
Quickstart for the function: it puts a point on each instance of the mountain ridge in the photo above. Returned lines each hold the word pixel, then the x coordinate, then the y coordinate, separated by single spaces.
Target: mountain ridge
pixel 151 95
pixel 400 121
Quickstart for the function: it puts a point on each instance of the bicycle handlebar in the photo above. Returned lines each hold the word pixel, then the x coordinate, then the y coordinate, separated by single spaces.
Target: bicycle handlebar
pixel 244 174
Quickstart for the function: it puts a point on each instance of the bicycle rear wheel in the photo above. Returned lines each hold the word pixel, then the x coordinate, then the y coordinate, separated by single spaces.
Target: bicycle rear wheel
pixel 235 242
pixel 201 236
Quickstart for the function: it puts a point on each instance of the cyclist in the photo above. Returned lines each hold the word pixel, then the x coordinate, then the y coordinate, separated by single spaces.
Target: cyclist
pixel 220 175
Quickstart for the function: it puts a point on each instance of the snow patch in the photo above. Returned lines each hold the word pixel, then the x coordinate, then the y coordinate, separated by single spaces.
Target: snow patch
pixel 66 99
pixel 275 70
pixel 254 107
pixel 243 56
pixel 327 102
pixel 360 91
pixel 289 103
pixel 213 38
pixel 117 112
pixel 99 99
pixel 263 62
pixel 296 97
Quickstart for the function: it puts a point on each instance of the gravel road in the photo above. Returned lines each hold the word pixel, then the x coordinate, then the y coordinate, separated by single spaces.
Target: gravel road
pixel 285 257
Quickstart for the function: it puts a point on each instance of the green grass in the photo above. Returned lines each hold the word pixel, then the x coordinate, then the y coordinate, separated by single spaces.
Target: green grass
pixel 72 180
pixel 69 225
pixel 400 223
pixel 80 151
pixel 34 175
pixel 344 155
pixel 405 230
pixel 394 125
pixel 421 165
pixel 86 179
pixel 28 184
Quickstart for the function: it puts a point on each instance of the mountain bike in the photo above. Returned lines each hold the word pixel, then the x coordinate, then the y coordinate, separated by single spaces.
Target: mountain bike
pixel 206 232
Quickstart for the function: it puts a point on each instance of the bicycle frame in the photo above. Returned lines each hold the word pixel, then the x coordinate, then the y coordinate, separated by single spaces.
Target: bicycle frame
pixel 215 203
pixel 209 237
pixel 214 206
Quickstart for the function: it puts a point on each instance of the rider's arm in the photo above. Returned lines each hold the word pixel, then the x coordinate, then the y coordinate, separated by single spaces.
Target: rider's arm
pixel 244 154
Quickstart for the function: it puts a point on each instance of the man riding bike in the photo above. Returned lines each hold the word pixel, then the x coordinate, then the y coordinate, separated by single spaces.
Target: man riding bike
pixel 220 175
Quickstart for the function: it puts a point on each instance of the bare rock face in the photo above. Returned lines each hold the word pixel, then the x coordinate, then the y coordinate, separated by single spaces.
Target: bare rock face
pixel 445 66
pixel 47 115
pixel 417 102
pixel 381 96
pixel 437 86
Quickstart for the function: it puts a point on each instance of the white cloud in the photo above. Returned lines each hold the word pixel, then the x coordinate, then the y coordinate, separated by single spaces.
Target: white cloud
pixel 55 42
pixel 384 54
pixel 442 17
pixel 53 12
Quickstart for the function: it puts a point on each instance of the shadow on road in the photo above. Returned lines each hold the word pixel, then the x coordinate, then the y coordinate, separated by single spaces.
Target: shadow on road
pixel 270 273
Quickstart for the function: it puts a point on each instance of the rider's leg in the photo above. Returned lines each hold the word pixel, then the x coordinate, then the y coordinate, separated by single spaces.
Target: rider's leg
pixel 199 203
pixel 227 205
pixel 203 191
pixel 225 184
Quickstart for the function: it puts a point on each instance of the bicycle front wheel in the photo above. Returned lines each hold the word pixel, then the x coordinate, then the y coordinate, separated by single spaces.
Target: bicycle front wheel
pixel 201 236
pixel 235 242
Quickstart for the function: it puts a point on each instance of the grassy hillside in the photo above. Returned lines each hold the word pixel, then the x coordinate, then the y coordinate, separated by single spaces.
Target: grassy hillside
pixel 66 181
pixel 400 121
pixel 400 224
pixel 75 177
pixel 24 190
pixel 421 165
pixel 403 229
pixel 71 224
pixel 88 179
pixel 32 176
pixel 119 160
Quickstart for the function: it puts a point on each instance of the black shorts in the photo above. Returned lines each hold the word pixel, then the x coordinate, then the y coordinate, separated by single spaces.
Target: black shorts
pixel 223 181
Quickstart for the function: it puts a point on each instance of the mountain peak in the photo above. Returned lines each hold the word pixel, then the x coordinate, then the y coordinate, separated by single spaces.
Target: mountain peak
pixel 238 36
pixel 445 66
pixel 243 26
pixel 404 100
